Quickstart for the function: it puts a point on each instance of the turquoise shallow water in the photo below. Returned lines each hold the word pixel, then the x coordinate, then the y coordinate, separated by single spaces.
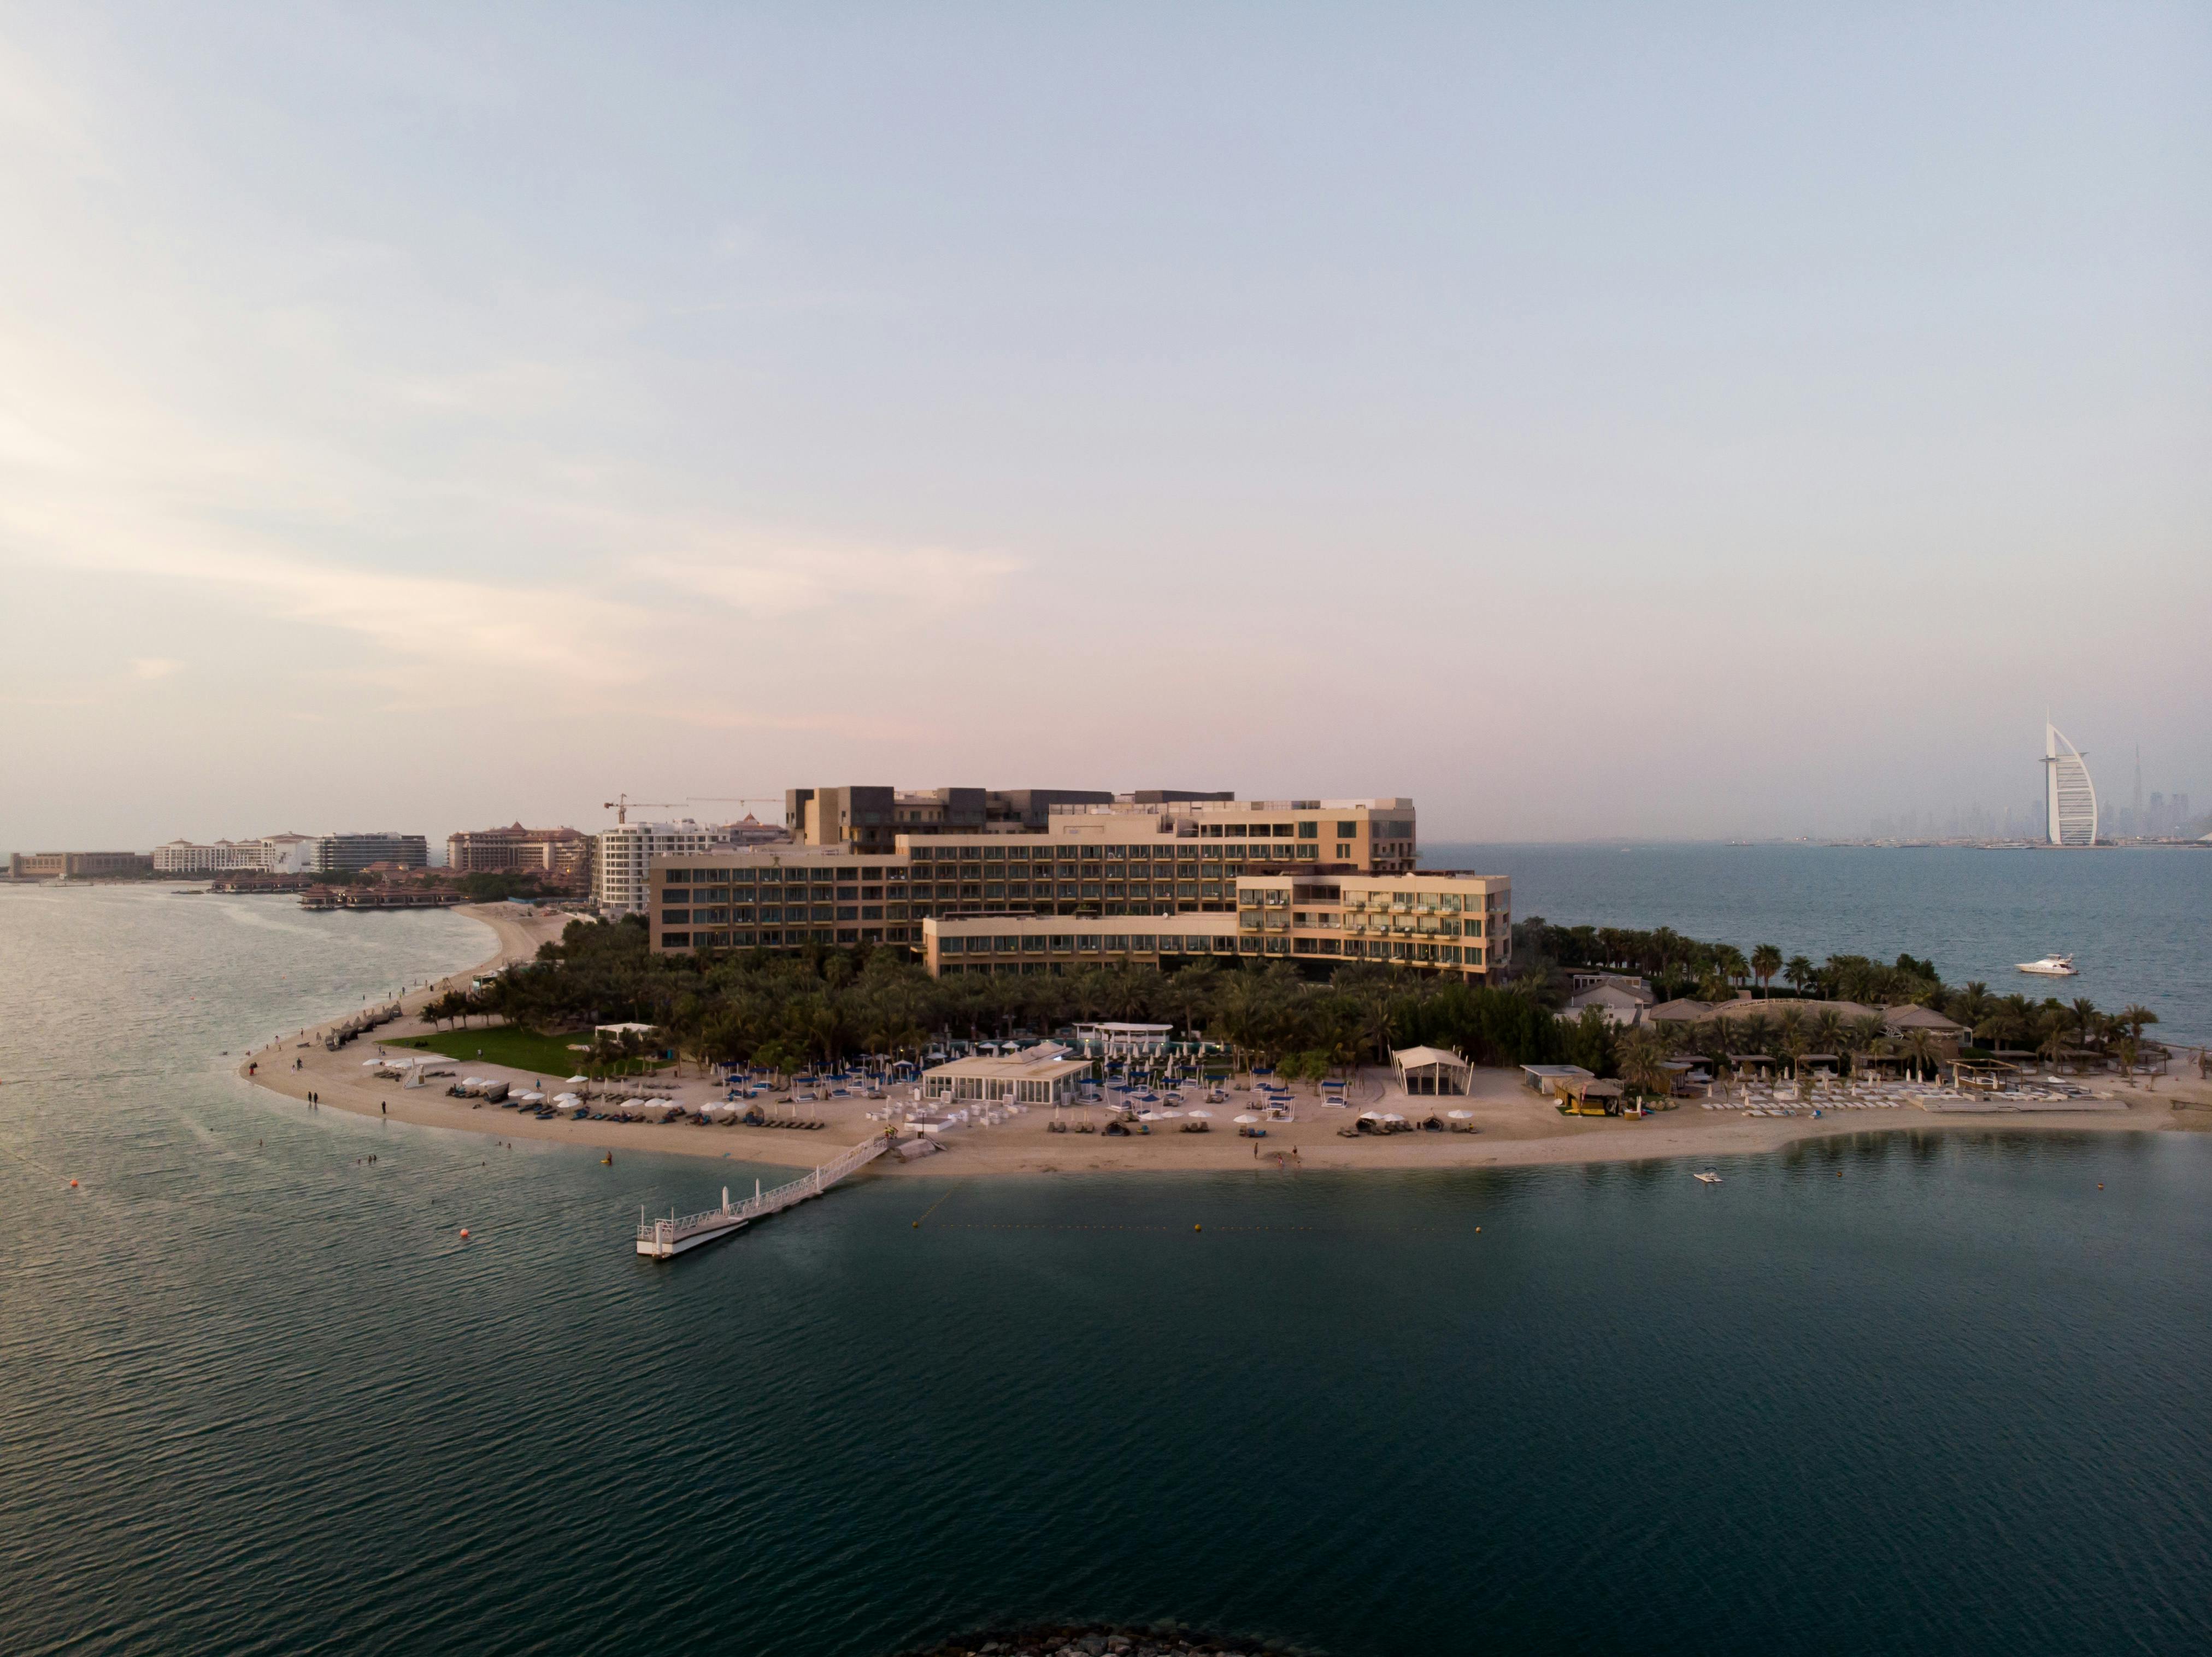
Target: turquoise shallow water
pixel 256 1397
pixel 2138 922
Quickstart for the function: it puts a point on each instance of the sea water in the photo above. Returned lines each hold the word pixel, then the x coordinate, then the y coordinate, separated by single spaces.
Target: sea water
pixel 2137 921
pixel 1935 1392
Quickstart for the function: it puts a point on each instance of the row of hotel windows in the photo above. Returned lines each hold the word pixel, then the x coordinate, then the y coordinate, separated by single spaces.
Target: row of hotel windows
pixel 1140 889
pixel 1398 901
pixel 1169 943
pixel 1253 920
pixel 1066 855
pixel 790 937
pixel 748 914
pixel 1086 943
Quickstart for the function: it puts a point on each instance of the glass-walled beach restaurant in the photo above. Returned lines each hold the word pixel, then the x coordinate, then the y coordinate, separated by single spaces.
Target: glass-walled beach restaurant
pixel 1043 1074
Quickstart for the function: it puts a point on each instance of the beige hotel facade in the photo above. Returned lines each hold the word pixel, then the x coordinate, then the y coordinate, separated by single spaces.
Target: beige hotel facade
pixel 1311 880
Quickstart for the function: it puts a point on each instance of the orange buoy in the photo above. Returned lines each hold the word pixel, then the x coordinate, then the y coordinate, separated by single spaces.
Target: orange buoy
pixel 1198 1227
pixel 73 1186
pixel 465 1233
pixel 2100 1184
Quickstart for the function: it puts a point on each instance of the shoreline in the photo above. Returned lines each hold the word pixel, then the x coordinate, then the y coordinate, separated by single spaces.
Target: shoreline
pixel 1514 1127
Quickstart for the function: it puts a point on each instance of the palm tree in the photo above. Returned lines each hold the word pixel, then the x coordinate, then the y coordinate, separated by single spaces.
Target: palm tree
pixel 1791 1038
pixel 1920 1048
pixel 1828 1031
pixel 1756 1032
pixel 1731 963
pixel 1765 962
pixel 2135 1016
pixel 1643 1055
pixel 1799 973
pixel 1973 1005
pixel 1870 1037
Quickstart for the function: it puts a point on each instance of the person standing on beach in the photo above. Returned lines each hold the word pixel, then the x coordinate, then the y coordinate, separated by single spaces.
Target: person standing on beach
pixel 383 1109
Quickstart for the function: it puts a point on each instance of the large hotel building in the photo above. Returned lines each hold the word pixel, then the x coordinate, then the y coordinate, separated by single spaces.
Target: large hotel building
pixel 1141 878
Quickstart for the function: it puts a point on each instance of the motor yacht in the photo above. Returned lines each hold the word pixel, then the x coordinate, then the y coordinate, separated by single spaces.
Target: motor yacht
pixel 2051 966
pixel 1708 1178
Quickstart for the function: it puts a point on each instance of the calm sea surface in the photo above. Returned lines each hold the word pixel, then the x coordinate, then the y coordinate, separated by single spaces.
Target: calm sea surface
pixel 255 1396
pixel 2137 921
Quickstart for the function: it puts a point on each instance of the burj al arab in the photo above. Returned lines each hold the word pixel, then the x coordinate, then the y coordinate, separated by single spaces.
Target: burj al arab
pixel 2069 796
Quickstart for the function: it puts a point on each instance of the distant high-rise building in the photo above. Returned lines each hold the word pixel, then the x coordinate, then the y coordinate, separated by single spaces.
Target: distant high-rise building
pixel 2069 798
pixel 343 854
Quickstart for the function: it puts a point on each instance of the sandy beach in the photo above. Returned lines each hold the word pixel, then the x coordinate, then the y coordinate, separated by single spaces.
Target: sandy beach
pixel 1513 1126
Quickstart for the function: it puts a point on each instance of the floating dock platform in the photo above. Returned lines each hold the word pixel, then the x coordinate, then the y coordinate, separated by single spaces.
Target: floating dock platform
pixel 663 1240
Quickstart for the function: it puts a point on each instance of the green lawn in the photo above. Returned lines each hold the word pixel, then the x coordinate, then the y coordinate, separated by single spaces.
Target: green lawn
pixel 518 1049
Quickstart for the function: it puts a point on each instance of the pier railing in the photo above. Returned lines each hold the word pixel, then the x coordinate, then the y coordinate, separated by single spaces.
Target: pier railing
pixel 666 1234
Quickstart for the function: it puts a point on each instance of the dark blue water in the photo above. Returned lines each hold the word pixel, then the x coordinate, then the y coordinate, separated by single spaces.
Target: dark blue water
pixel 255 1396
pixel 2138 922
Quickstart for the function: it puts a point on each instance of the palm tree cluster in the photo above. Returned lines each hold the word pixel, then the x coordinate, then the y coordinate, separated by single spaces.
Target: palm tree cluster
pixel 1678 966
pixel 787 1010
pixel 2052 1029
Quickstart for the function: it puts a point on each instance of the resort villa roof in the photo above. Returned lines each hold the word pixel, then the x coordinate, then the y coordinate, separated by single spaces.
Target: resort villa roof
pixel 1540 1077
pixel 1904 1016
pixel 1920 1018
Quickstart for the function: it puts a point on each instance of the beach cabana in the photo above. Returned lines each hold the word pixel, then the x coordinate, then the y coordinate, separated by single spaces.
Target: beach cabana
pixel 1593 1096
pixel 1430 1070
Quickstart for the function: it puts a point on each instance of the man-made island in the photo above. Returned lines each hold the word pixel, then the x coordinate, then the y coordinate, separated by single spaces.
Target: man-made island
pixel 1329 1042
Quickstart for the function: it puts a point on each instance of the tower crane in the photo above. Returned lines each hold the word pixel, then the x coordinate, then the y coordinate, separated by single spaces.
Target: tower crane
pixel 620 806
pixel 736 800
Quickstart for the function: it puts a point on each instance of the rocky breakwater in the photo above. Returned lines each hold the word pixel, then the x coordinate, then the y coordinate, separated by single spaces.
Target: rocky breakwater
pixel 1162 1640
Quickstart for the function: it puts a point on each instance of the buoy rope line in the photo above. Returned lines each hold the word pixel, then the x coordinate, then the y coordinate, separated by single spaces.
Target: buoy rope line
pixel 939 1203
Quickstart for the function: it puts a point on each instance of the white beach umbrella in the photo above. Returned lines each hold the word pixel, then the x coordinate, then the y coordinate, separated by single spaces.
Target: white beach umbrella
pixel 577 1081
pixel 1460 1116
pixel 372 1062
pixel 1206 1115
pixel 1246 1119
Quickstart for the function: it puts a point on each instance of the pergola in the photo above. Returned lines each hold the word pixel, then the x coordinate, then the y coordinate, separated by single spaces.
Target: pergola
pixel 1430 1070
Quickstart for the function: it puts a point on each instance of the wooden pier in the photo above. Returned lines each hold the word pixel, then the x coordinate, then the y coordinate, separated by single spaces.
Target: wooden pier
pixel 663 1240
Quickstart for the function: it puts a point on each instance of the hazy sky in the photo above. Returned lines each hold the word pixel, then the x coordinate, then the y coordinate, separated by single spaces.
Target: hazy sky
pixel 1587 420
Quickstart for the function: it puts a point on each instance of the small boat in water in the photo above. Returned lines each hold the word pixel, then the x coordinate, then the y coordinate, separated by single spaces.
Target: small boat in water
pixel 1708 1178
pixel 2051 966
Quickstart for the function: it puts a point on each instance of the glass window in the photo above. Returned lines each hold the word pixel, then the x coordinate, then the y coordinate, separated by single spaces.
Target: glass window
pixel 1309 830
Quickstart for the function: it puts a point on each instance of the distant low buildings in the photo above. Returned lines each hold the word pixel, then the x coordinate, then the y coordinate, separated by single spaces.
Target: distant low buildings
pixel 77 865
pixel 291 853
pixel 223 857
pixel 558 856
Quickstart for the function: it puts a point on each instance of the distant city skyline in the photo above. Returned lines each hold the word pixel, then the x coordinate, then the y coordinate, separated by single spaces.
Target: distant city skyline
pixel 1689 425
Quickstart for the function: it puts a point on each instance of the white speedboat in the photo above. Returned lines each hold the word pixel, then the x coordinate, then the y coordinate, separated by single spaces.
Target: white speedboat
pixel 2051 966
pixel 1708 1178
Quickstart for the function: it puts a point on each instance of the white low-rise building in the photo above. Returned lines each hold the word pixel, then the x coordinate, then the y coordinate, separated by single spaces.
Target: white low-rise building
pixel 1043 1074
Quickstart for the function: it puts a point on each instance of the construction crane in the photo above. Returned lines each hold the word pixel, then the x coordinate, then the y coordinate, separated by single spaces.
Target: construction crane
pixel 736 800
pixel 620 806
